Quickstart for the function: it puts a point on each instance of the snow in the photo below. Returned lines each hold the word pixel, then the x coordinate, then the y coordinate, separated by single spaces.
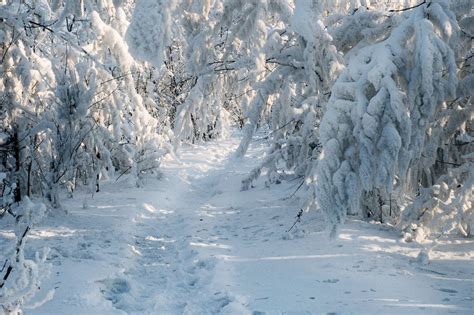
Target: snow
pixel 191 242
pixel 150 31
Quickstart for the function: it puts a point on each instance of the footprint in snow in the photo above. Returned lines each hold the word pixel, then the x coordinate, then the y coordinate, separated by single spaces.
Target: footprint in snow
pixel 331 281
pixel 448 290
pixel 114 289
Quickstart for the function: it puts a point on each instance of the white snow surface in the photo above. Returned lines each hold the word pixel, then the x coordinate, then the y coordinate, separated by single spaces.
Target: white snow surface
pixel 192 243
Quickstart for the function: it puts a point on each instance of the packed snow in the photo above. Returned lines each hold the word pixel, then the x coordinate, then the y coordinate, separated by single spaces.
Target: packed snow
pixel 191 242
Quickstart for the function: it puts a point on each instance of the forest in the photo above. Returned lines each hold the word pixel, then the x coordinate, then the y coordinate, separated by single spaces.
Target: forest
pixel 284 130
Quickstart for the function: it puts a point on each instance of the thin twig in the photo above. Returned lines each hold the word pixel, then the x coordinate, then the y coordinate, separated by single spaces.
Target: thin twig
pixel 449 163
pixel 271 133
pixel 409 8
pixel 6 260
pixel 118 77
pixel 123 173
pixel 44 27
pixel 298 219
pixel 298 188
pixel 17 254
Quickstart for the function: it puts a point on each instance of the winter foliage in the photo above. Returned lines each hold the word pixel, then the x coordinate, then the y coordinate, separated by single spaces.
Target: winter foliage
pixel 366 104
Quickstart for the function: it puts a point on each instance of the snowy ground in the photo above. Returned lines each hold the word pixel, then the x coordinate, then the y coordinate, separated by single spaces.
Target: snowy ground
pixel 193 243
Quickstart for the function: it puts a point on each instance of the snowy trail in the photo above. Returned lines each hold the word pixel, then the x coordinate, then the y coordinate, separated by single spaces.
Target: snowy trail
pixel 193 243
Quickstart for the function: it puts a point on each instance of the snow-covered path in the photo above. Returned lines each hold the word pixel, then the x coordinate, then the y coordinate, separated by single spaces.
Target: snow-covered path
pixel 193 243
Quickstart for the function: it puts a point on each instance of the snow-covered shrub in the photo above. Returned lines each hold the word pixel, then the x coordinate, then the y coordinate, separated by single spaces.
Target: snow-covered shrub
pixel 21 277
pixel 445 207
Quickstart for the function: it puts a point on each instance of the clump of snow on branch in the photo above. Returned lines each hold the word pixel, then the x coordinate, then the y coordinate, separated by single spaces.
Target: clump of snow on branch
pixel 150 30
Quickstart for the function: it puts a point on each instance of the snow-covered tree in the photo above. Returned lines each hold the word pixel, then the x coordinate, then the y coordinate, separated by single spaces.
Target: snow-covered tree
pixel 382 130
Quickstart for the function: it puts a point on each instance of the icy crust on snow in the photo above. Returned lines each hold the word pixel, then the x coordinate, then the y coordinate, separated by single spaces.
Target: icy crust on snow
pixel 193 243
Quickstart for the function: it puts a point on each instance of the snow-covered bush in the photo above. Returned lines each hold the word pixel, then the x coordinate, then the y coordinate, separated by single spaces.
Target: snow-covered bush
pixel 21 277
